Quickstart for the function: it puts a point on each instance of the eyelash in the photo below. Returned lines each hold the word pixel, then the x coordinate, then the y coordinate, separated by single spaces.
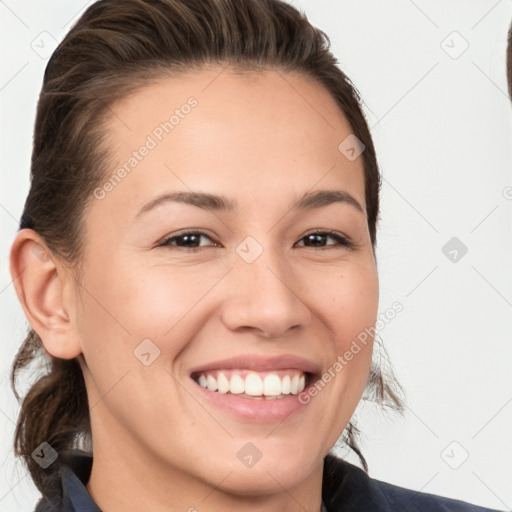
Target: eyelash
pixel 341 240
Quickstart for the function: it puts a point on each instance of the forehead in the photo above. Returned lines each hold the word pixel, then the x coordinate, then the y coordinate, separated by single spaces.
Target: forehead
pixel 262 133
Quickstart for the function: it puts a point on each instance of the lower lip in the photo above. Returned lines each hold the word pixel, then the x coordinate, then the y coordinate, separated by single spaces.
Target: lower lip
pixel 262 410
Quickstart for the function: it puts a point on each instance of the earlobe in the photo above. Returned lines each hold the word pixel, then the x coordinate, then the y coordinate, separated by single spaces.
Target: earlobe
pixel 40 282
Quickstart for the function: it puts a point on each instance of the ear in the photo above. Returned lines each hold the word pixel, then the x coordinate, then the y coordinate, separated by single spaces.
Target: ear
pixel 40 281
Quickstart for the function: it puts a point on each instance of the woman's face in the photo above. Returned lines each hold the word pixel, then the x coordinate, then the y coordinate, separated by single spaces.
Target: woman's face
pixel 253 294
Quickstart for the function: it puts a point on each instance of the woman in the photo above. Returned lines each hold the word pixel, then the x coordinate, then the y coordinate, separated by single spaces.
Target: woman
pixel 196 258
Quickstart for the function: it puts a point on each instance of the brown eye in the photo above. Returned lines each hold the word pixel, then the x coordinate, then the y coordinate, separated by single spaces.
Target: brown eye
pixel 317 239
pixel 186 240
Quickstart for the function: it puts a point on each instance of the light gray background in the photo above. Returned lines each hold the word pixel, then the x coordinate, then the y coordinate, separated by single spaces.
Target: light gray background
pixel 442 124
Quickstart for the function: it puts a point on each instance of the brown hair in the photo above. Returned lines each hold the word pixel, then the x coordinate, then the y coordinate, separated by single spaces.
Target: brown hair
pixel 509 61
pixel 114 48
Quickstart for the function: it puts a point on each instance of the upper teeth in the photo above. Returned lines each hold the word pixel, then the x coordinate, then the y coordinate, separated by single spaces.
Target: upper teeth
pixel 254 384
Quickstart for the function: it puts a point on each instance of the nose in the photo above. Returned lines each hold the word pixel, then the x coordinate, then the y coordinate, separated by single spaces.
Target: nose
pixel 267 296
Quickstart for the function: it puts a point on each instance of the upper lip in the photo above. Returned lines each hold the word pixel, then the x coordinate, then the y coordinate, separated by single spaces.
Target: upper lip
pixel 258 362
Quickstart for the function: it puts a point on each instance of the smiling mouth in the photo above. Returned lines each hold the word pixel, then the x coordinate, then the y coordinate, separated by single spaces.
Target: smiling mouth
pixel 268 385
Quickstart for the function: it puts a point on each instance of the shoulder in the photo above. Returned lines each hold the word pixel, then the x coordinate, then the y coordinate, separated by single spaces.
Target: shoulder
pixel 347 487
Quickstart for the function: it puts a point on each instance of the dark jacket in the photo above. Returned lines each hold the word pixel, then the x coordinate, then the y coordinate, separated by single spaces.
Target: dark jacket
pixel 346 488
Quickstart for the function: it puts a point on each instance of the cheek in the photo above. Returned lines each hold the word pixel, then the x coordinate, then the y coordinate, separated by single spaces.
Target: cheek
pixel 349 303
pixel 130 302
pixel 348 306
pixel 124 308
pixel 167 303
pixel 352 305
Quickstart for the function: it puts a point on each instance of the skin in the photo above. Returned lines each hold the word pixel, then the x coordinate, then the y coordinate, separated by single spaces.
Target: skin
pixel 262 140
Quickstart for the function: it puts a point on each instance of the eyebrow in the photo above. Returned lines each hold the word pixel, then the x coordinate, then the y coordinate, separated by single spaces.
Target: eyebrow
pixel 207 201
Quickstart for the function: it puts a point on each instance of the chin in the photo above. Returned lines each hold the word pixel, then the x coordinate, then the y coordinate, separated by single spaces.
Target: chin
pixel 260 482
pixel 267 476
